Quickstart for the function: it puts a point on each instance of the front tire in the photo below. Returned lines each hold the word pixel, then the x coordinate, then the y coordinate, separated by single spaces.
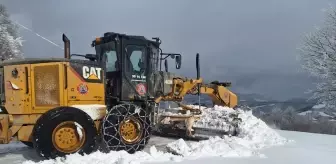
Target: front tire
pixel 62 131
pixel 126 127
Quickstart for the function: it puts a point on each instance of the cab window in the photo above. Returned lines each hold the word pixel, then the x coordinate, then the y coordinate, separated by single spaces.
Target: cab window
pixel 111 61
pixel 136 57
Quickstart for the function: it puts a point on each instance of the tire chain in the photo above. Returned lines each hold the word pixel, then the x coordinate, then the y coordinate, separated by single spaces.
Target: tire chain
pixel 115 126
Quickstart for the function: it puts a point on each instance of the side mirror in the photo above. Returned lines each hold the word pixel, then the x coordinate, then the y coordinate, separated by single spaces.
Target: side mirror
pixel 178 61
pixel 166 65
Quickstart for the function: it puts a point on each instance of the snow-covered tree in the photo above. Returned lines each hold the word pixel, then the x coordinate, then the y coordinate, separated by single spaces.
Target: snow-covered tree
pixel 10 42
pixel 318 56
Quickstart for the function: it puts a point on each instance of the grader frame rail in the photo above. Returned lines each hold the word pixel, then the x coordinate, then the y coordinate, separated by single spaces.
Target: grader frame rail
pixel 61 106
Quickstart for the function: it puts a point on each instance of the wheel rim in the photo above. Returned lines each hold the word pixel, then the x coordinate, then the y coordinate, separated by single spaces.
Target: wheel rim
pixel 65 137
pixel 130 130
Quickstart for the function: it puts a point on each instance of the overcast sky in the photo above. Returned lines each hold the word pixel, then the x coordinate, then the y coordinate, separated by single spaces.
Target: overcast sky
pixel 251 43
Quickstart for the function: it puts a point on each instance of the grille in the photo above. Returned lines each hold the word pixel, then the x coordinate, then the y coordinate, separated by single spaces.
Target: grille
pixel 46 84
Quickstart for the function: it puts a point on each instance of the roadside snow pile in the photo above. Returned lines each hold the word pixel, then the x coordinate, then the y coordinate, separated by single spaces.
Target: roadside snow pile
pixel 254 134
pixel 214 147
pixel 252 131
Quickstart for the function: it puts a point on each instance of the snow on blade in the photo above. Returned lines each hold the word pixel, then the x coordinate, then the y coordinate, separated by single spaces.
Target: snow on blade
pixel 252 131
pixel 215 118
pixel 254 134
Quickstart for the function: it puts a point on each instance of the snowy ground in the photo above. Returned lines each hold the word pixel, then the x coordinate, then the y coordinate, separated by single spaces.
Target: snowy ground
pixel 257 143
pixel 307 148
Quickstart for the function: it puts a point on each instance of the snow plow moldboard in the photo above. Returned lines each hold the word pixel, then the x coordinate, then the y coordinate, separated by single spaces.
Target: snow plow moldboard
pixel 201 127
pixel 198 133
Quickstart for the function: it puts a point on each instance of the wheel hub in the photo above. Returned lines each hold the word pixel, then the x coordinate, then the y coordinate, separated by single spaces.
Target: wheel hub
pixel 130 130
pixel 66 138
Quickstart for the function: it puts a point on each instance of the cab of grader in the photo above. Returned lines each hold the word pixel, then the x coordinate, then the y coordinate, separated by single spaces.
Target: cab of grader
pixel 61 106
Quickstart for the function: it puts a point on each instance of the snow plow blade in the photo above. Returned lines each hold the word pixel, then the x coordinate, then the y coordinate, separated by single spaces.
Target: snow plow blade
pixel 178 123
pixel 181 122
pixel 169 132
pixel 198 133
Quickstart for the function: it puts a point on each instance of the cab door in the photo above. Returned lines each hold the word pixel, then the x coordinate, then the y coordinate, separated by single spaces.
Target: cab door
pixel 135 70
pixel 113 74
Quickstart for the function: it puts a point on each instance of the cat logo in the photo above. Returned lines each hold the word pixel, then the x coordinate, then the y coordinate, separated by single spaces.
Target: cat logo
pixel 91 73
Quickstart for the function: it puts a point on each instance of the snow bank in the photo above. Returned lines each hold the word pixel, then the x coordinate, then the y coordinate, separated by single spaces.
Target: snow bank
pixel 254 134
pixel 113 157
pixel 305 113
pixel 214 147
pixel 319 106
pixel 251 130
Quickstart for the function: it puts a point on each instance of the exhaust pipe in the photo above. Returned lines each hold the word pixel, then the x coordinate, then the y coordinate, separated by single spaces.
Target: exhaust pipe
pixel 66 47
pixel 198 66
pixel 198 77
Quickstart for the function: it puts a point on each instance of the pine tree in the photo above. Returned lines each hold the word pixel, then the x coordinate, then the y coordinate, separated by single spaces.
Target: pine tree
pixel 10 42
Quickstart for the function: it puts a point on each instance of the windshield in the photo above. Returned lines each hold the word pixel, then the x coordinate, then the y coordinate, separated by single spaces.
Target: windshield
pixel 111 61
pixel 136 57
pixel 106 52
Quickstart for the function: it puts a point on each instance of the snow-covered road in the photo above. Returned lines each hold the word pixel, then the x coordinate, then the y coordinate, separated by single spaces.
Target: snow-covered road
pixel 17 152
pixel 256 143
pixel 307 148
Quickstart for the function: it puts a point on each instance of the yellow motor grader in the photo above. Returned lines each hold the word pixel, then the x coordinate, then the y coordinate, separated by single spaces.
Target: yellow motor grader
pixel 61 106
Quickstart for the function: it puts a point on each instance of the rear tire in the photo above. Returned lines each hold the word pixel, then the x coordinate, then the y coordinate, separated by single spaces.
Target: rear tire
pixel 126 127
pixel 52 140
